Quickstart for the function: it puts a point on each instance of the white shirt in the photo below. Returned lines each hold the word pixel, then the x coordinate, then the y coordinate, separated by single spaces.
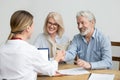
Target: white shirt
pixel 21 61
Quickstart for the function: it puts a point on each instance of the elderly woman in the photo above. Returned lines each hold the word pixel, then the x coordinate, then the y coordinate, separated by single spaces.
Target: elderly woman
pixel 52 37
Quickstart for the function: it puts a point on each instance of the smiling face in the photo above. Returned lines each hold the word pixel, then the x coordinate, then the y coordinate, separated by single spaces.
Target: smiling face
pixel 52 26
pixel 84 25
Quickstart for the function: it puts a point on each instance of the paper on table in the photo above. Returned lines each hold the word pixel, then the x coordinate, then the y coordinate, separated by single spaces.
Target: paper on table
pixel 95 76
pixel 73 71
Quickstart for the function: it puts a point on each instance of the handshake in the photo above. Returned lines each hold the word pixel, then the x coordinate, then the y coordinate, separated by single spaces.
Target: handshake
pixel 60 55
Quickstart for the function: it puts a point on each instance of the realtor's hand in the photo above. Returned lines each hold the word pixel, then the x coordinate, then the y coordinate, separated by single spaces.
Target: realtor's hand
pixel 58 74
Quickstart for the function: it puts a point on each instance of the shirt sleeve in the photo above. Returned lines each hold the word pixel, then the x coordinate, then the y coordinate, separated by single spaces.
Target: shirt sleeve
pixel 72 50
pixel 45 67
pixel 106 60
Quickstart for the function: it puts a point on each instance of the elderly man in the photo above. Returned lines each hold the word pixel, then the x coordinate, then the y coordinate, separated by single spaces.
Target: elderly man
pixel 90 45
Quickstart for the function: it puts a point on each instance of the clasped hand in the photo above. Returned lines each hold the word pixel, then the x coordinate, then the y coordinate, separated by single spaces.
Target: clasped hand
pixel 60 55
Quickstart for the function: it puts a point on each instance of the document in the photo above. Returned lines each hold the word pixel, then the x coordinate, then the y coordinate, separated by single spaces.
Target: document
pixel 73 71
pixel 44 52
pixel 95 76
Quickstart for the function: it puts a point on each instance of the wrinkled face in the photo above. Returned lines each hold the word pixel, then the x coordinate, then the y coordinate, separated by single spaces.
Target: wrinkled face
pixel 52 26
pixel 84 25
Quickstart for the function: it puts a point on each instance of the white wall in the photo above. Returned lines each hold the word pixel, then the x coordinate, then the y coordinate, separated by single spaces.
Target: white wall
pixel 107 13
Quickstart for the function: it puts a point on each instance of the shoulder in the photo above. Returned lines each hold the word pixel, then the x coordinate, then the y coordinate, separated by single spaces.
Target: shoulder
pixel 65 37
pixel 2 46
pixel 27 45
pixel 40 37
pixel 101 37
pixel 41 40
pixel 77 36
pixel 99 34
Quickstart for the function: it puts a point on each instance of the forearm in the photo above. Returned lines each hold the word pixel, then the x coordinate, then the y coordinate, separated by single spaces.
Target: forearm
pixel 101 65
pixel 69 56
pixel 50 69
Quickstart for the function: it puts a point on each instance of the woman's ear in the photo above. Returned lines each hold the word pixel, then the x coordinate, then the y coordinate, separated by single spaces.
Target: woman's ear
pixel 28 29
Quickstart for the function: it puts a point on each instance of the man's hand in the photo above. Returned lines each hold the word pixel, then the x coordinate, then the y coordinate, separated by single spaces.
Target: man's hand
pixel 83 64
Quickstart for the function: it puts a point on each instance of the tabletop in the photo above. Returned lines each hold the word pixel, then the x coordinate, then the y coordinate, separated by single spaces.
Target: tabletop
pixel 79 77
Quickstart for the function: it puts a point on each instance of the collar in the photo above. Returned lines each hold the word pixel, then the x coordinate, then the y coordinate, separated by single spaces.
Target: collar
pixel 93 35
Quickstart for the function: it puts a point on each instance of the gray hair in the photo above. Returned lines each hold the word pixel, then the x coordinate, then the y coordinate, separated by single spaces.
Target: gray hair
pixel 86 14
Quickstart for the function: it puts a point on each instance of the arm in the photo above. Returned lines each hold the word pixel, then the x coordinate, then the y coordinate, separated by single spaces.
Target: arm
pixel 47 67
pixel 100 59
pixel 106 56
pixel 72 50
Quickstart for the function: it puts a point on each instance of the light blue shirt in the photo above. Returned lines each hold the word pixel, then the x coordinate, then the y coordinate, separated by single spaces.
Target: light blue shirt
pixel 97 52
pixel 43 42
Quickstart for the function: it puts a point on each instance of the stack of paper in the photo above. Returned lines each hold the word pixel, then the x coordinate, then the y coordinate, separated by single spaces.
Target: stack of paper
pixel 95 76
pixel 73 71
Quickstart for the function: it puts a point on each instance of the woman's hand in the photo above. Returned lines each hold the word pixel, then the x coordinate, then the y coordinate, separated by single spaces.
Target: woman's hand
pixel 58 74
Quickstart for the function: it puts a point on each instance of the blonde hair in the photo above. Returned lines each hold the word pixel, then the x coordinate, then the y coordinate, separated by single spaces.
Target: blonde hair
pixel 19 21
pixel 58 18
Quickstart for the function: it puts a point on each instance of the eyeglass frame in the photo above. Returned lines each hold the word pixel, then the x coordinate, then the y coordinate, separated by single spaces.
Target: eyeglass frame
pixel 54 24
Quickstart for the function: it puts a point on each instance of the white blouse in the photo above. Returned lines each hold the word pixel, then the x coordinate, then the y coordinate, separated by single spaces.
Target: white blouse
pixel 21 61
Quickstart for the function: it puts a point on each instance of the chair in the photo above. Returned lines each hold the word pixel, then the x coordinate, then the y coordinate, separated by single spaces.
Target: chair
pixel 116 58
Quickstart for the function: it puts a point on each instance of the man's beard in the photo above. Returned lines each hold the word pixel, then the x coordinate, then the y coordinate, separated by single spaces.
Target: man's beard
pixel 85 32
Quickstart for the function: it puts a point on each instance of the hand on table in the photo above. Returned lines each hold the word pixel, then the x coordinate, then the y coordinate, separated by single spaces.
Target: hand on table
pixel 83 64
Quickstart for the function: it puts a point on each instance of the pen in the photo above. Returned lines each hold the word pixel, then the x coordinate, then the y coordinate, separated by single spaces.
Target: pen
pixel 76 58
pixel 58 48
pixel 89 76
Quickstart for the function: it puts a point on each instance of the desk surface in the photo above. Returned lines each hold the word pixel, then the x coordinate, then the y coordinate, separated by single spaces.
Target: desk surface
pixel 79 77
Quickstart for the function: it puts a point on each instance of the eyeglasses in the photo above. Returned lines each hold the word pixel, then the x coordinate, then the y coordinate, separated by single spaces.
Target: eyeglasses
pixel 54 24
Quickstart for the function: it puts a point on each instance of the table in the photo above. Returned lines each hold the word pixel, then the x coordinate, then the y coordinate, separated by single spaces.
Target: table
pixel 79 77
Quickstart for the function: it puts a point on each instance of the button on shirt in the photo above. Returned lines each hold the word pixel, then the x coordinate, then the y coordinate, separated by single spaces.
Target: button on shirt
pixel 97 52
pixel 22 61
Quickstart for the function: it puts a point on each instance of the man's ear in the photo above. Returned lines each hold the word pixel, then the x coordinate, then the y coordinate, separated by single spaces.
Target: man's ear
pixel 92 21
